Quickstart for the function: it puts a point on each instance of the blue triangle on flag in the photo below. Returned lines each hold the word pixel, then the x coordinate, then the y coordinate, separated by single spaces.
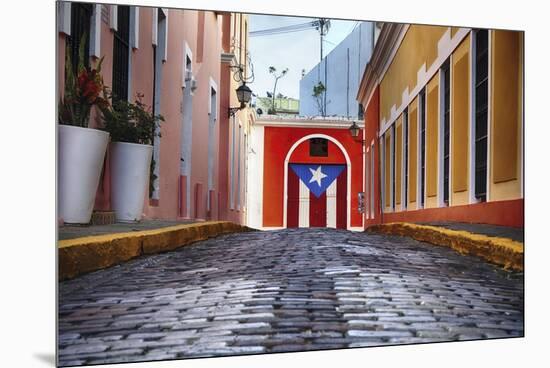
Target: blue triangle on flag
pixel 317 177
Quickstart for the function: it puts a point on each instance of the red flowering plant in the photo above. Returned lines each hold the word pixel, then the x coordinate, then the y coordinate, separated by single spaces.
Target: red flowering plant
pixel 81 91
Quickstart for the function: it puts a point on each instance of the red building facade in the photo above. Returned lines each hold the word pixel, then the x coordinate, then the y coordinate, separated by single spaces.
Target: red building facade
pixel 311 175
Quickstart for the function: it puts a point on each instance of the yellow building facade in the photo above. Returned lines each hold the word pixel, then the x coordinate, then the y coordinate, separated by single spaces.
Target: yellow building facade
pixel 450 126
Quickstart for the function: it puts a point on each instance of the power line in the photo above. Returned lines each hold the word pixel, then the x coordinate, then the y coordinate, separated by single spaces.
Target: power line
pixel 292 27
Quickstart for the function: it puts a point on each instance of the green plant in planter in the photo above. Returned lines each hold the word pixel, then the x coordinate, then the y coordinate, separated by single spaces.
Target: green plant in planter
pixel 82 91
pixel 132 122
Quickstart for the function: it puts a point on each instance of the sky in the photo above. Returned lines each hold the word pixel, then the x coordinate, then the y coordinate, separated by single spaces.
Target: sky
pixel 295 51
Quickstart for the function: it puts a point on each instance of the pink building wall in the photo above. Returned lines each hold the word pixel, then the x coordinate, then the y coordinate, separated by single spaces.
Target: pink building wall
pixel 183 27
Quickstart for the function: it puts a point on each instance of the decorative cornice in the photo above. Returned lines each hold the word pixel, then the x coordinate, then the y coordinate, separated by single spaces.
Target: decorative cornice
pixel 306 123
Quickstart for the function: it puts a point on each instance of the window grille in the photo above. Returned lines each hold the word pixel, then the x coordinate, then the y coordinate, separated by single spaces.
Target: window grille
pixel 446 129
pixel 121 54
pixel 80 24
pixel 481 111
pixel 422 110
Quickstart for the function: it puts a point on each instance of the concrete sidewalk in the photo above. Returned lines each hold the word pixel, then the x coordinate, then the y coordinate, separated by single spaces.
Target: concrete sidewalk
pixel 79 231
pixel 512 233
pixel 496 244
pixel 83 249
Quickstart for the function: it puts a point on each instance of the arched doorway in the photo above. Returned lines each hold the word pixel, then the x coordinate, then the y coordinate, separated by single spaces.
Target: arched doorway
pixel 317 183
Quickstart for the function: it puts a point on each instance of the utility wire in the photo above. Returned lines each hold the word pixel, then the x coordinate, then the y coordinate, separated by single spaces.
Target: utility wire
pixel 293 27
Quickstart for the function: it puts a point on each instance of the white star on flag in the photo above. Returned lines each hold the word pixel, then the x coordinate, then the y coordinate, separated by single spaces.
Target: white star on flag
pixel 317 175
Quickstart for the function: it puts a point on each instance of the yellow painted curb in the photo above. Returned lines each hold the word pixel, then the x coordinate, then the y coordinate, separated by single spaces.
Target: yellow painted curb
pixel 501 251
pixel 91 253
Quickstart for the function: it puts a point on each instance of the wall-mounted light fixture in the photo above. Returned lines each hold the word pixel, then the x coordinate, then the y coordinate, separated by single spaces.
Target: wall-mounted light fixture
pixel 354 130
pixel 243 95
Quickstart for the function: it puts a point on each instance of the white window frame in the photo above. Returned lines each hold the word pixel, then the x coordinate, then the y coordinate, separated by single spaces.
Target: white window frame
pixel 64 17
pixel 404 157
pixel 239 159
pixel 154 28
pixel 95 31
pixel 392 167
pixel 165 57
pixel 441 138
pixel 419 157
pixel 372 162
pixel 113 18
pixel 187 53
pixel 233 123
pixel 472 130
pixel 134 27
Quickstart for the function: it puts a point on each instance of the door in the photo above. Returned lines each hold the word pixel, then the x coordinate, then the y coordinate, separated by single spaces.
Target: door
pixel 316 195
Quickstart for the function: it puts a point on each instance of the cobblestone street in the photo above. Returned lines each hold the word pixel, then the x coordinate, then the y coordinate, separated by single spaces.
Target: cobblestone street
pixel 287 290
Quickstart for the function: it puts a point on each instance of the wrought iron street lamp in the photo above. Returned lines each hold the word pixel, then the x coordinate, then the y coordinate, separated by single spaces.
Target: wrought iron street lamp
pixel 354 130
pixel 243 95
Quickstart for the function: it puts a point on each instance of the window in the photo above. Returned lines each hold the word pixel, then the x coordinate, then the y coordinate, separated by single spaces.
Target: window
pixel 80 25
pixel 318 147
pixel 239 157
pixel 481 108
pixel 382 154
pixel 372 181
pixel 159 42
pixel 406 153
pixel 121 54
pixel 445 70
pixel 232 165
pixel 422 112
pixel 393 167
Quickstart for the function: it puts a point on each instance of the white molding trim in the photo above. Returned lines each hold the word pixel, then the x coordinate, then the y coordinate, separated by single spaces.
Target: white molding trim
pixel 472 124
pixel 113 18
pixel 446 45
pixel 392 169
pixel 522 128
pixel 356 228
pixel 269 228
pixel 134 27
pixel 440 141
pixel 371 178
pixel 489 111
pixel 382 171
pixel 154 28
pixel 187 53
pixel 95 32
pixel 165 55
pixel 308 123
pixel 64 17
pixel 348 167
pixel 419 205
pixel 212 86
pixel 364 180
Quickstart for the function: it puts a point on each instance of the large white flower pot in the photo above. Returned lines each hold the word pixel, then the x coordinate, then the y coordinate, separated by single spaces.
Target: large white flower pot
pixel 130 165
pixel 80 160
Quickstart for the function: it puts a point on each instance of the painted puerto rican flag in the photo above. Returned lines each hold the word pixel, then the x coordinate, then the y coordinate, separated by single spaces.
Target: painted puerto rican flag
pixel 317 195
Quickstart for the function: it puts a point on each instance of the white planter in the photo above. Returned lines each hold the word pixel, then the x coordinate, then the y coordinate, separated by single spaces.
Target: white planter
pixel 80 160
pixel 130 165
